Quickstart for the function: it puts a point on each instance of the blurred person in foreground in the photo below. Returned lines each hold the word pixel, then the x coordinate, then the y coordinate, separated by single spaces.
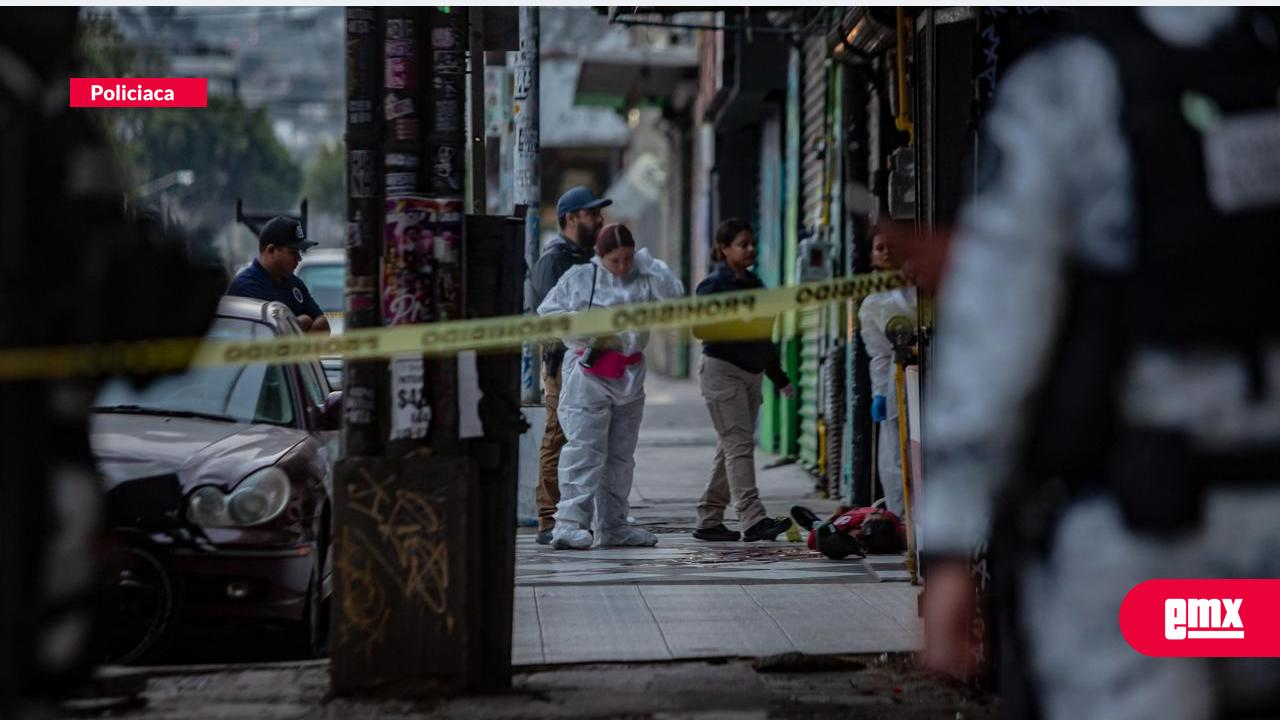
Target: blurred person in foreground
pixel 1107 395
pixel 78 270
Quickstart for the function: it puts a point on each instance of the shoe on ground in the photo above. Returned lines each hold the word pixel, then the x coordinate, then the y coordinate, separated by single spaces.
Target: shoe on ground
pixel 544 537
pixel 719 533
pixel 628 536
pixel 837 545
pixel 805 518
pixel 767 529
pixel 570 538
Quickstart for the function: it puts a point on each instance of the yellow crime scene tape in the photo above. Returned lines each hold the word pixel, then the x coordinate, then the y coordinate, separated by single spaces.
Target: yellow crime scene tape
pixel 725 315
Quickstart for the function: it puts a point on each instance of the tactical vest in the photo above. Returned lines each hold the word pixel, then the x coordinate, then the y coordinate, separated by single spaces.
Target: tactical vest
pixel 1203 126
pixel 1203 129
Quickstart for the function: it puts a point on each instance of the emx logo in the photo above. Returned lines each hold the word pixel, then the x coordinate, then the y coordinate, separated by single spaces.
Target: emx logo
pixel 1203 618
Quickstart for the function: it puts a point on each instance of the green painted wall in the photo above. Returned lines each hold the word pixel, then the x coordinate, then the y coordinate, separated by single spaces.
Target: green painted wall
pixel 788 413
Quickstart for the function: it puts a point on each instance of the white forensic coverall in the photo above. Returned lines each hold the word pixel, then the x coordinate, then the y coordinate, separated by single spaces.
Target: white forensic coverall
pixel 874 314
pixel 601 417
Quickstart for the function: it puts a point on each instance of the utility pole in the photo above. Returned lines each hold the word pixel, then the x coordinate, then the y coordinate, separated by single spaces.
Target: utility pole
pixel 363 238
pixel 476 128
pixel 528 181
pixel 402 513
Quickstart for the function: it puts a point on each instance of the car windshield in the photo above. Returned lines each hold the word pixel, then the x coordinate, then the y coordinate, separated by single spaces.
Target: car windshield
pixel 256 393
pixel 326 282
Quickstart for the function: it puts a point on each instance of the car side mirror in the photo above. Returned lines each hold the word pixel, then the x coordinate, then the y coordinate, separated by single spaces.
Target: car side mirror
pixel 329 415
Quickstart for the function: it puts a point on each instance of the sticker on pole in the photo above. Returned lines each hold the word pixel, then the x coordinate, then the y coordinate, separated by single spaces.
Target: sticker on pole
pixel 410 411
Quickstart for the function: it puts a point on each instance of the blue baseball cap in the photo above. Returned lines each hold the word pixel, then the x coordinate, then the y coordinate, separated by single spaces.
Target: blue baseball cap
pixel 579 198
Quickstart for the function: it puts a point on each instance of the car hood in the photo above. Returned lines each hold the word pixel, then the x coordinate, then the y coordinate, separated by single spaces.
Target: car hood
pixel 198 451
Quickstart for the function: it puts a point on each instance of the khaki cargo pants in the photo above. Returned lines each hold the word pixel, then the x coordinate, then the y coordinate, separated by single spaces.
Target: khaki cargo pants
pixel 548 491
pixel 733 399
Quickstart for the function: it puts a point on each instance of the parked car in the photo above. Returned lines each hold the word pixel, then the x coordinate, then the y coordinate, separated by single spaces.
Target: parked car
pixel 324 270
pixel 246 453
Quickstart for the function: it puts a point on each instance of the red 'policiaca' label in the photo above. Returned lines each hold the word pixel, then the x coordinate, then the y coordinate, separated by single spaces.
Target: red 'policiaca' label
pixel 1203 618
pixel 139 92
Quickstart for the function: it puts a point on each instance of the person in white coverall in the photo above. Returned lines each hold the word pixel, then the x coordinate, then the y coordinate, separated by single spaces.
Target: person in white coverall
pixel 602 392
pixel 873 315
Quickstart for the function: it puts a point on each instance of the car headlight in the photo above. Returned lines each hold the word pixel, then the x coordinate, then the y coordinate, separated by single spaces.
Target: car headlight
pixel 258 498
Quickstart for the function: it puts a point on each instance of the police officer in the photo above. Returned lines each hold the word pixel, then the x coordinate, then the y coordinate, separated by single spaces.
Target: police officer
pixel 578 213
pixel 1100 389
pixel 270 277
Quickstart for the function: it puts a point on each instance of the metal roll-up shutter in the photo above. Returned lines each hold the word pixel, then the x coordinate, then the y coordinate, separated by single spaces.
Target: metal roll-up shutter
pixel 813 108
pixel 834 415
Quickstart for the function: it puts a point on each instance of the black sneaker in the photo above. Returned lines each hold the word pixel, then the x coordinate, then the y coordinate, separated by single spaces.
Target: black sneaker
pixel 837 545
pixel 805 518
pixel 766 529
pixel 719 532
pixel 544 537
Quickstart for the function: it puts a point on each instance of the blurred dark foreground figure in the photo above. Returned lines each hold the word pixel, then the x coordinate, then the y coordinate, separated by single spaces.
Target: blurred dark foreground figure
pixel 1107 398
pixel 75 268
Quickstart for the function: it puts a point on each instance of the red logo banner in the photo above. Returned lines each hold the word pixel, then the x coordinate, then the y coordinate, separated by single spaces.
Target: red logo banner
pixel 1203 618
pixel 139 92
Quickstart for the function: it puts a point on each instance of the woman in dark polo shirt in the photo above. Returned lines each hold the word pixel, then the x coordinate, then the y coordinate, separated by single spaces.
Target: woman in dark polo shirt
pixel 735 358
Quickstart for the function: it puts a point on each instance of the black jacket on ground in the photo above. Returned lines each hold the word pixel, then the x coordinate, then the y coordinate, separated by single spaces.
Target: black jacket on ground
pixel 752 355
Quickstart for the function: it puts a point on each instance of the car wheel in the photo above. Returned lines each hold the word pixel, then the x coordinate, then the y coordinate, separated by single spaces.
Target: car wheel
pixel 139 603
pixel 311 636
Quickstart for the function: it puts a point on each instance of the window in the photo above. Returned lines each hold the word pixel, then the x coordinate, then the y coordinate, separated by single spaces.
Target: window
pixel 256 393
pixel 327 283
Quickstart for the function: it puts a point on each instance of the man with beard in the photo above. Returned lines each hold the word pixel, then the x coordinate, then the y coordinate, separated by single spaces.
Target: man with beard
pixel 578 212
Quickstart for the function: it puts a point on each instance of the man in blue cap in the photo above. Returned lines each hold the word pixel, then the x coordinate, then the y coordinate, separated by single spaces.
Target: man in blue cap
pixel 270 277
pixel 578 213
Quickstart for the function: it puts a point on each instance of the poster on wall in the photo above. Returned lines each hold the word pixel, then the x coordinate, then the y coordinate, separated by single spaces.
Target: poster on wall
pixel 422 234
pixel 406 262
pixel 410 408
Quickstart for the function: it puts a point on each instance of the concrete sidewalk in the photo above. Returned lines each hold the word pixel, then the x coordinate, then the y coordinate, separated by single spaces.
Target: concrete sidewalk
pixel 689 599
pixel 881 687
pixel 671 628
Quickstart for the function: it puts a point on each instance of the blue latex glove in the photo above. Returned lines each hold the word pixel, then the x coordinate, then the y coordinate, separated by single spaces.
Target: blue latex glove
pixel 879 408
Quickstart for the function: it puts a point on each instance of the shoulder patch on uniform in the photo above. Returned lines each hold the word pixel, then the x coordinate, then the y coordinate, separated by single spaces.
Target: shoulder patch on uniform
pixel 297 294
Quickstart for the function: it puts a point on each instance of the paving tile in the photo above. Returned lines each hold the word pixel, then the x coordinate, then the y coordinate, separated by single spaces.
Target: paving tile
pixel 777 574
pixel 713 620
pixel 598 623
pixel 896 601
pixel 526 640
pixel 580 578
pixel 823 619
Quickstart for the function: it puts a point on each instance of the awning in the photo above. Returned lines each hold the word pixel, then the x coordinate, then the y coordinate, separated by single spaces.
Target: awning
pixel 635 77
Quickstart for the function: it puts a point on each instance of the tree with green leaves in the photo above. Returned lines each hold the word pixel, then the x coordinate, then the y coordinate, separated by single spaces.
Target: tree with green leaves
pixel 231 149
pixel 324 184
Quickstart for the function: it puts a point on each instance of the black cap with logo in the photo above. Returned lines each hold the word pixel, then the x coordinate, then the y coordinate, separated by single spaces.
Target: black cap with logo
pixel 284 232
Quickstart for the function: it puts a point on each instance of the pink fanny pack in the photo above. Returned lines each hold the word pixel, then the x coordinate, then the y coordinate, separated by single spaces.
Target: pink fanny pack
pixel 611 364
